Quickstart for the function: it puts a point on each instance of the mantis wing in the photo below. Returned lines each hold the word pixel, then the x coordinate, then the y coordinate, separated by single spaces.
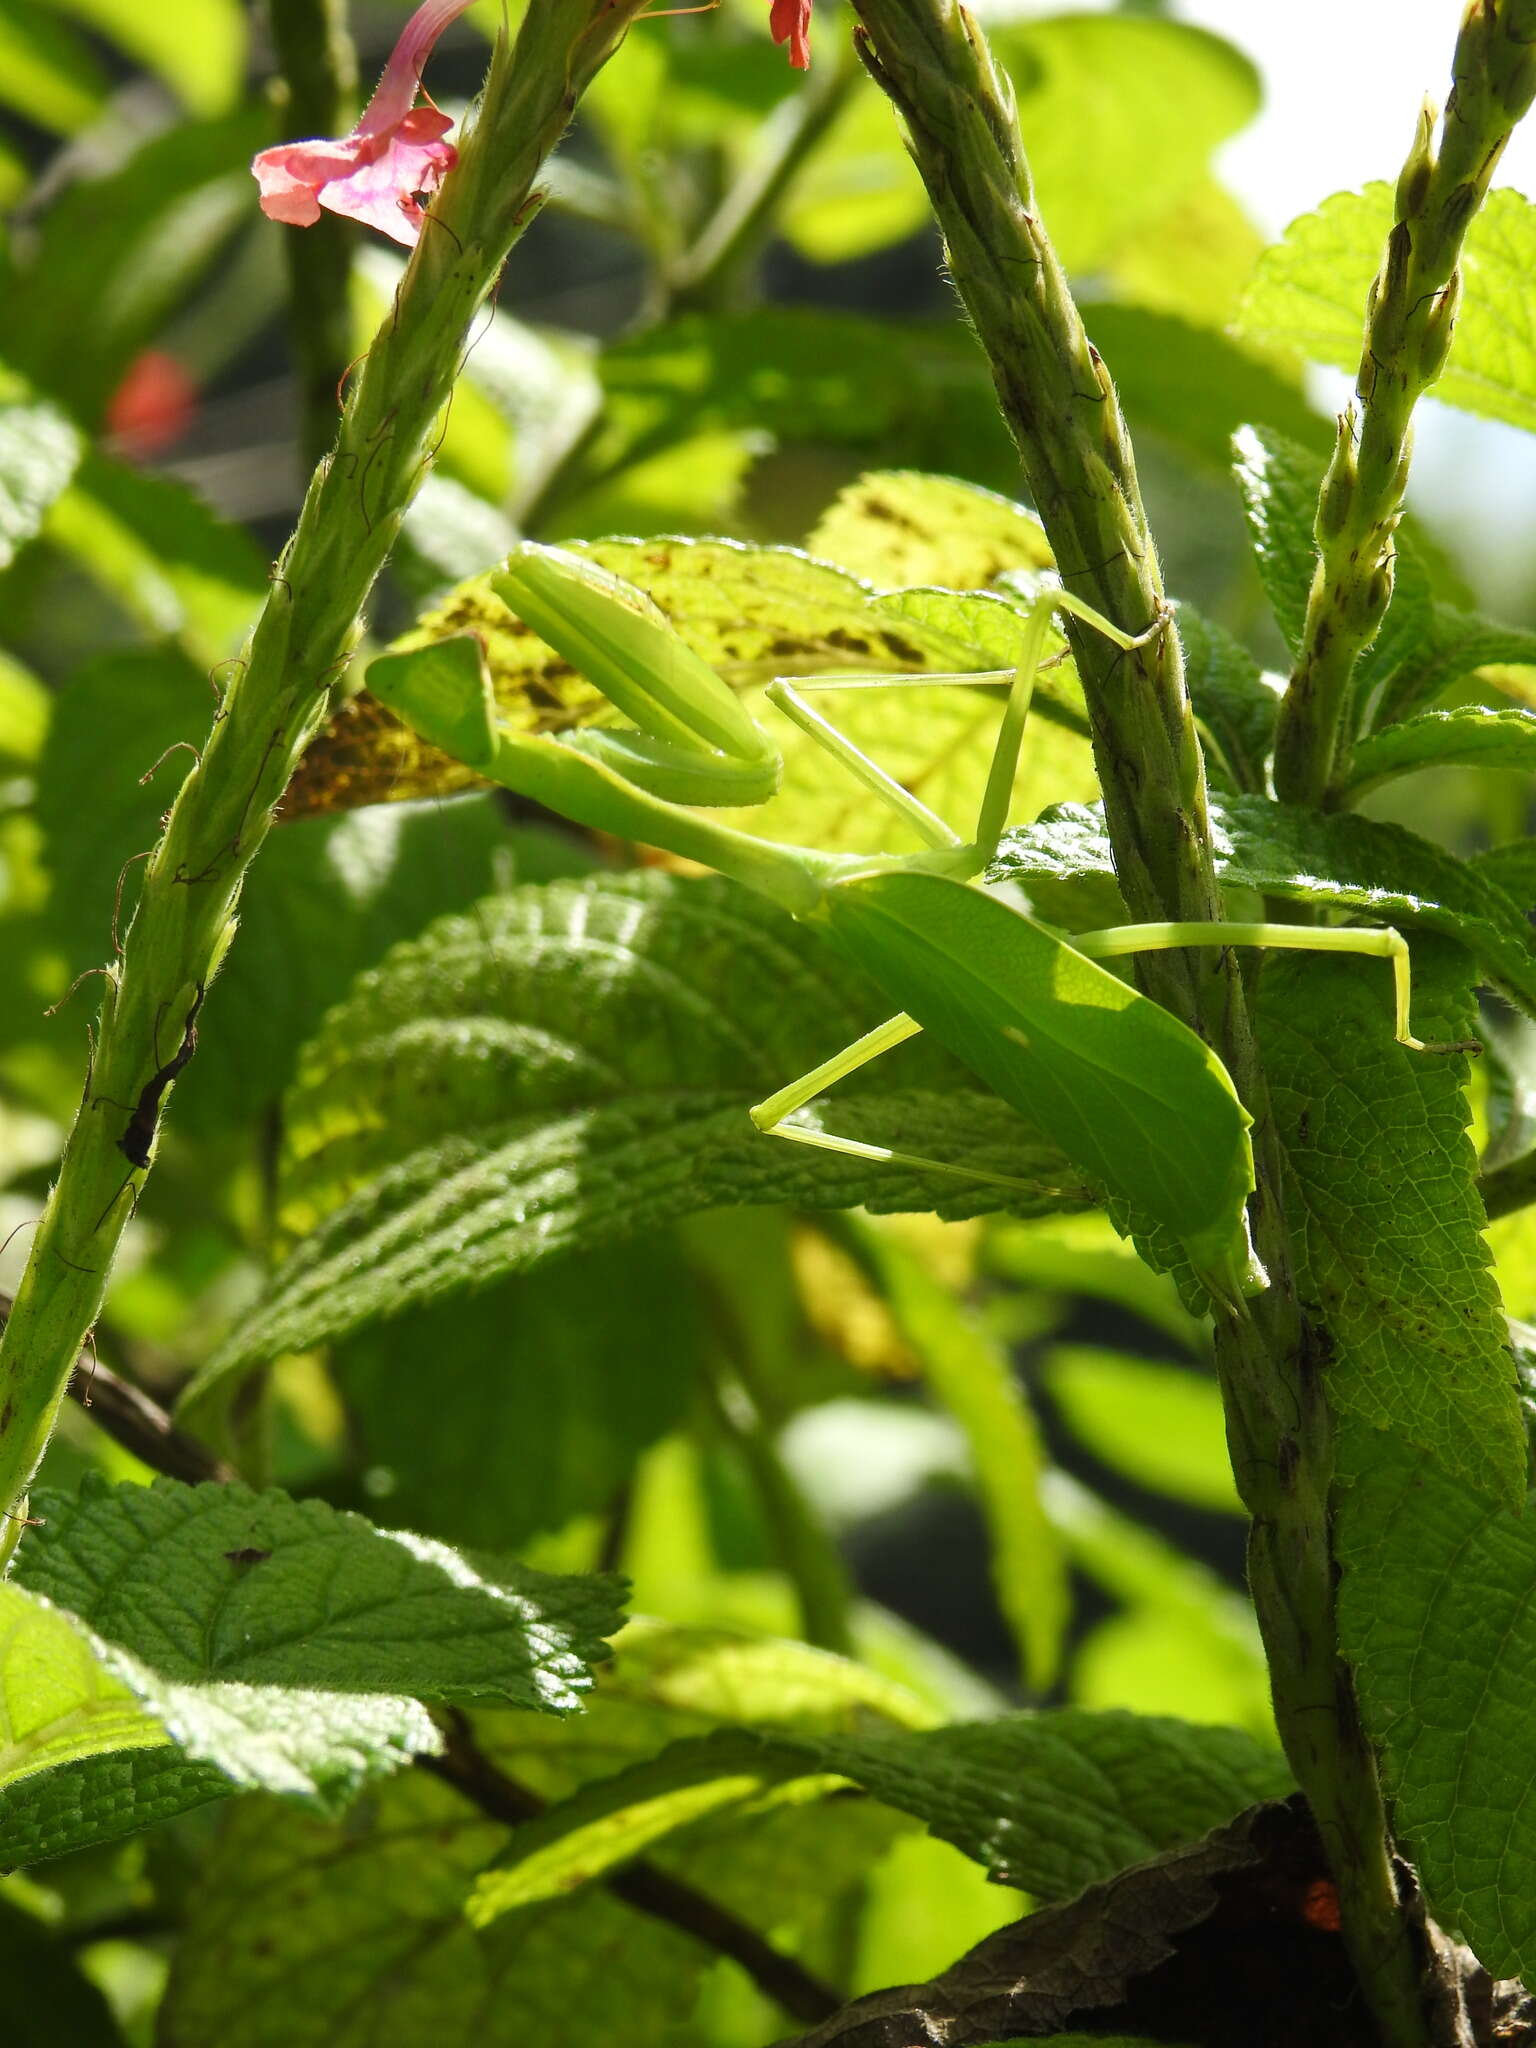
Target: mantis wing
pixel 1129 1093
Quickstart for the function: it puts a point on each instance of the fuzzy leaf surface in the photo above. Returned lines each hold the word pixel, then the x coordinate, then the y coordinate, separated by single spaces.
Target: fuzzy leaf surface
pixel 222 1583
pixel 1436 1614
pixel 1310 287
pixel 1473 737
pixel 571 1064
pixel 102 1743
pixel 344 1935
pixel 1050 1802
pixel 1387 1223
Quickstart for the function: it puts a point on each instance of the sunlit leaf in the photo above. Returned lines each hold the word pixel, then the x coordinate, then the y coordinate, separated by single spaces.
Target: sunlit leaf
pixel 572 1064
pixel 197 46
pixel 1310 291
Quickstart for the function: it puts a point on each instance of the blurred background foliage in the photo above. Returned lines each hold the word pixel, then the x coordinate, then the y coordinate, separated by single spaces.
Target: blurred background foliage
pixel 813 1424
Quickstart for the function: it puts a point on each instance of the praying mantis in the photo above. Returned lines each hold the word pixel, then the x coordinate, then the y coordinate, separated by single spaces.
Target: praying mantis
pixel 1133 1097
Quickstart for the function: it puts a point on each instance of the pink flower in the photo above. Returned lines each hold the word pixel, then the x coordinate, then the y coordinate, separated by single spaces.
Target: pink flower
pixel 394 159
pixel 790 23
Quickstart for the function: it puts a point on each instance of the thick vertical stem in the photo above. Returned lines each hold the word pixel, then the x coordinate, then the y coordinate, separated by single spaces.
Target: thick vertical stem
pixel 319 68
pixel 185 919
pixel 958 109
pixel 1409 318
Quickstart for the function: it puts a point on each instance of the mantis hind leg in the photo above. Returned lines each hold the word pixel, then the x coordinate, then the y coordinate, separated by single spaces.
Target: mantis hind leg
pixel 772 1114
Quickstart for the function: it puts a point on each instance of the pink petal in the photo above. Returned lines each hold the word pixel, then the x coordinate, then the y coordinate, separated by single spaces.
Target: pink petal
pixel 395 93
pixel 393 158
pixel 386 194
pixel 291 175
pixel 790 22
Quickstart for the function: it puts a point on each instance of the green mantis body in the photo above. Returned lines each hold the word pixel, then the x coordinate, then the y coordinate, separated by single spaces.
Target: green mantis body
pixel 1128 1093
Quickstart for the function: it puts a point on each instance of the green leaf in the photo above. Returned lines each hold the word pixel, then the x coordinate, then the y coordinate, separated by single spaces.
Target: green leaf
pixel 1309 293
pixel 1279 482
pixel 59 1704
pixel 221 1583
pixel 1387 1223
pixel 1453 644
pixel 39 453
pixel 900 527
pixel 173 565
pixel 1051 1802
pixel 1158 1425
pixel 116 255
pixel 322 1934
pixel 1471 737
pixel 972 1378
pixel 1195 388
pixel 1338 862
pixel 196 46
pixel 91 1729
pixel 588 1360
pixel 48 75
pixel 1436 1616
pixel 102 1799
pixel 1093 96
pixel 572 1064
pixel 917 393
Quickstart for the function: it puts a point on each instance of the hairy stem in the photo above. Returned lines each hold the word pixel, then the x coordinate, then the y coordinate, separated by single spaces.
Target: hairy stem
pixel 319 67
pixel 466 1767
pixel 1409 318
pixel 302 640
pixel 1057 396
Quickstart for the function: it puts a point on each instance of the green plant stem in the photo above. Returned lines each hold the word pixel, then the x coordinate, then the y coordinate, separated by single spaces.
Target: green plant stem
pixel 1410 316
pixel 804 1547
pixel 710 274
pixel 957 106
pixel 319 69
pixel 302 640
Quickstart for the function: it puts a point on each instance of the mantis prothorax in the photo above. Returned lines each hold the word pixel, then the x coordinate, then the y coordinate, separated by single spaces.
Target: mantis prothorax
pixel 1128 1093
